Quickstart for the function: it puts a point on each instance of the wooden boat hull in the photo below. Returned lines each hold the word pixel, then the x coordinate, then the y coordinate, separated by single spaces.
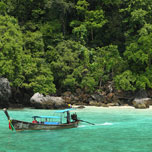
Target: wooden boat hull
pixel 22 125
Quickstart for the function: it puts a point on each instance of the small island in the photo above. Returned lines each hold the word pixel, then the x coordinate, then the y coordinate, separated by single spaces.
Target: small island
pixel 82 52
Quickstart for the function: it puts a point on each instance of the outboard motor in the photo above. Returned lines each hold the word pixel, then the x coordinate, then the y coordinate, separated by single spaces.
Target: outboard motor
pixel 74 117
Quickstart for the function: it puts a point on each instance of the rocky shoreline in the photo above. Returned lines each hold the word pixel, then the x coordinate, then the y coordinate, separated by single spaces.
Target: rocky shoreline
pixel 15 98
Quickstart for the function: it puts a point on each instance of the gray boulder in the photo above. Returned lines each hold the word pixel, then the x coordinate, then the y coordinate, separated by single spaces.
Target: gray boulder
pixel 141 100
pixel 97 97
pixel 141 103
pixel 47 102
pixel 5 92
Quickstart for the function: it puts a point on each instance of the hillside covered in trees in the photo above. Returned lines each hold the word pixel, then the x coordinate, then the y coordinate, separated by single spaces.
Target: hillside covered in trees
pixel 52 46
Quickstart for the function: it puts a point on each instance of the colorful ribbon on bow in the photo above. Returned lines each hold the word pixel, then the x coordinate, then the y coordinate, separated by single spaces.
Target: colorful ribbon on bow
pixel 11 125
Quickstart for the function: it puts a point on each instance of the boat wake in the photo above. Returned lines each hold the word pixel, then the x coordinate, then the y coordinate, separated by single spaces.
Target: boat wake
pixel 81 126
pixel 102 124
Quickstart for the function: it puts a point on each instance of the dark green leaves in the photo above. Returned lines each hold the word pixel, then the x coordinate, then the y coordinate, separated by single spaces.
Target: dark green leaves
pixel 11 50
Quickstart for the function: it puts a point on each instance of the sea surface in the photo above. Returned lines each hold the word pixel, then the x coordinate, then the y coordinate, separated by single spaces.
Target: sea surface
pixel 116 129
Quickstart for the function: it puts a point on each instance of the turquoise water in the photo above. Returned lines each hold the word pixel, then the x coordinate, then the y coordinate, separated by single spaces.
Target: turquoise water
pixel 116 130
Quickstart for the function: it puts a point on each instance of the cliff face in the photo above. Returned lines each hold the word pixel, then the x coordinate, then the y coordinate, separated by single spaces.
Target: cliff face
pixel 107 96
pixel 5 92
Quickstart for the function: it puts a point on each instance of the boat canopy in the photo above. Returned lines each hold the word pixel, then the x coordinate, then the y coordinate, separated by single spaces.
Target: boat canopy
pixel 55 117
pixel 65 110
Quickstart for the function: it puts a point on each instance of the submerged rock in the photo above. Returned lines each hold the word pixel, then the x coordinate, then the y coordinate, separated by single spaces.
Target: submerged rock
pixel 5 92
pixel 47 102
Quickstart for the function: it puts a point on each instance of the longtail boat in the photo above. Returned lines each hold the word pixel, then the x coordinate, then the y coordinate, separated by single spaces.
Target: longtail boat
pixel 45 122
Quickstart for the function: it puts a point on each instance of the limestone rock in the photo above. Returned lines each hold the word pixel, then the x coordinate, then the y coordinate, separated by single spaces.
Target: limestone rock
pixel 5 92
pixel 141 103
pixel 47 102
pixel 141 100
pixel 97 97
pixel 112 104
pixel 95 103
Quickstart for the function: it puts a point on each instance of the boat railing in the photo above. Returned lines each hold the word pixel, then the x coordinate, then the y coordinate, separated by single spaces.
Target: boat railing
pixel 47 120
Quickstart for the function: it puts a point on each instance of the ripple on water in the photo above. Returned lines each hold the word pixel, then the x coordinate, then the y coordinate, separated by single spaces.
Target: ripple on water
pixel 115 130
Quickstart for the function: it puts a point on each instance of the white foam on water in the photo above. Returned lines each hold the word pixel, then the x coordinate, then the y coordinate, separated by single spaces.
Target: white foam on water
pixel 81 126
pixel 104 124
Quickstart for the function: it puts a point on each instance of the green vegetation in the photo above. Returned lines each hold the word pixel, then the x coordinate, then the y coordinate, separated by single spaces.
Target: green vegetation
pixel 59 45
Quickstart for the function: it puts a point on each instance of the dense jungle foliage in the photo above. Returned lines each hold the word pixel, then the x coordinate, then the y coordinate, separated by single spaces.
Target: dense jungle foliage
pixel 57 45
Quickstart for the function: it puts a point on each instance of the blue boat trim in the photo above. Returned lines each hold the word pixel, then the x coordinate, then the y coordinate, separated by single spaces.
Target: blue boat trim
pixel 51 123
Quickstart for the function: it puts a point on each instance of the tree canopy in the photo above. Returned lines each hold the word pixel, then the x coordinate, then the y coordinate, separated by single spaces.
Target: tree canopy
pixel 58 45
